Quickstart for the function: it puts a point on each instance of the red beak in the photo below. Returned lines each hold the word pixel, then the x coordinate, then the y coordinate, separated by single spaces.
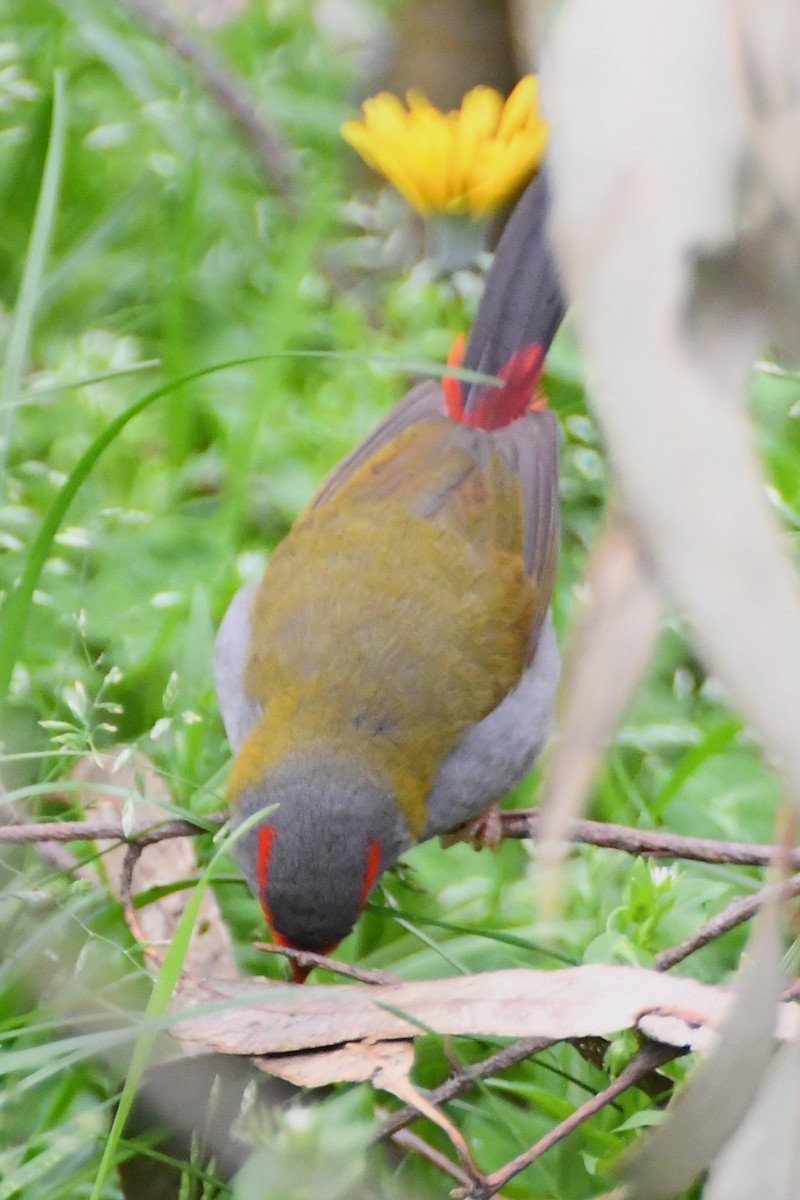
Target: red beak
pixel 299 974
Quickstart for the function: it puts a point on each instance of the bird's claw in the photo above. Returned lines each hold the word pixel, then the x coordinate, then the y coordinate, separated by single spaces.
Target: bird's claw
pixel 485 830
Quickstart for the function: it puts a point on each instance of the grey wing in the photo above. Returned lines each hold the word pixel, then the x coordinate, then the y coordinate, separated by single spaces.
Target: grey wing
pixel 500 750
pixel 530 447
pixel 240 713
pixel 424 401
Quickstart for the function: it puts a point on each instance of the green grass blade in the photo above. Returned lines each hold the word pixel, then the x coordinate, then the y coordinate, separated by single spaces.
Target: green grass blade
pixel 43 395
pixel 493 935
pixel 35 259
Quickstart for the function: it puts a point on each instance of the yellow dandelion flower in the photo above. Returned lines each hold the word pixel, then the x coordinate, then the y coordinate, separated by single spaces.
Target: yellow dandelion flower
pixel 469 161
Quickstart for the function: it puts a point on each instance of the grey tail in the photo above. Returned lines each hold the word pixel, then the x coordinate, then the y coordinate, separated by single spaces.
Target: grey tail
pixel 523 304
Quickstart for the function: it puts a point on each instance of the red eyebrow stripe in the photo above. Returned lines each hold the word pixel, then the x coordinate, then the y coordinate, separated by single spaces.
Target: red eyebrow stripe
pixel 373 864
pixel 266 836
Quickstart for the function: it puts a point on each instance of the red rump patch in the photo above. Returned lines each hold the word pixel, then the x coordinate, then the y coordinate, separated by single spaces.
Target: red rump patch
pixel 453 399
pixel 497 407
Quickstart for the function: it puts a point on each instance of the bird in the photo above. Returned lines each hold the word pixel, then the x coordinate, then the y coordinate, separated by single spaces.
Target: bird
pixel 393 674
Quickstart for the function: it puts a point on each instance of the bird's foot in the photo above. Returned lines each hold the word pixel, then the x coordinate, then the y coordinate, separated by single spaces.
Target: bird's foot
pixel 482 831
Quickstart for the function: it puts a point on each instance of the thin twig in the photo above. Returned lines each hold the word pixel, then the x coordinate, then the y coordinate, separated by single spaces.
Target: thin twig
pixel 522 824
pixel 99 831
pixel 49 852
pixel 651 1056
pixel 417 1145
pixel 509 1056
pixel 229 92
pixel 307 959
pixel 132 855
pixel 63 860
pixel 593 1050
pixel 526 823
pixel 736 913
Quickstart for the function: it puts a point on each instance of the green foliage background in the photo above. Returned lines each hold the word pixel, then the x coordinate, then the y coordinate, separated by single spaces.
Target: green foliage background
pixel 170 253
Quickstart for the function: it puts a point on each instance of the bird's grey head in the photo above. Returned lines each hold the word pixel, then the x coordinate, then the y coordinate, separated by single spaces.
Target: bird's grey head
pixel 314 858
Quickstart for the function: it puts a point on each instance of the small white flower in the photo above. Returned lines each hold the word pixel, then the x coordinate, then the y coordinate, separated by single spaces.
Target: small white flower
pixel 251 565
pixel 74 536
pixel 76 700
pixel 166 599
pixel 162 726
pixel 105 137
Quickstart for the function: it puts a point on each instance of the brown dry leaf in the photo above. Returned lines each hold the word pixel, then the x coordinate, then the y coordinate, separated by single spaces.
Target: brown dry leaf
pixel 610 650
pixel 210 953
pixel 388 1079
pixel 660 115
pixel 353 1063
pixel 596 1000
pixel 386 1065
pixel 671 1030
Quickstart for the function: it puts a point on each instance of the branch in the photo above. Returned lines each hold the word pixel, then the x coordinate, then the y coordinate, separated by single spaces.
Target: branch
pixel 308 959
pixel 417 1145
pixel 409 1141
pixel 526 823
pixel 650 1057
pixel 132 856
pixel 593 1050
pixel 104 831
pixel 737 912
pixel 228 91
pixel 62 860
pixel 521 824
pixel 509 1056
